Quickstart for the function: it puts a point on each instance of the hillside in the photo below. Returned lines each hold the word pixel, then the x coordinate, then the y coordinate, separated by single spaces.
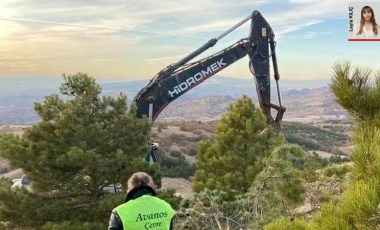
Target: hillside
pixel 306 101
pixel 179 140
pixel 304 105
pixel 314 138
pixel 184 136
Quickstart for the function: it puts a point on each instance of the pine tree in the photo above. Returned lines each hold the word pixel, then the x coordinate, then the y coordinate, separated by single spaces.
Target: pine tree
pixel 359 207
pixel 356 91
pixel 84 145
pixel 243 140
pixel 275 190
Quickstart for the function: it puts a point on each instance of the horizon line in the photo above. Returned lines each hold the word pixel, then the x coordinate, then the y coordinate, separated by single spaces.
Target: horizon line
pixel 146 79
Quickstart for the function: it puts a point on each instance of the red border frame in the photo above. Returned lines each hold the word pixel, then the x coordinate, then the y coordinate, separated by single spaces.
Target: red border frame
pixel 364 39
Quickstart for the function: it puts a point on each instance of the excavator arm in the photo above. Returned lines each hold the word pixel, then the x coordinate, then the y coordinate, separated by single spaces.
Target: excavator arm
pixel 180 77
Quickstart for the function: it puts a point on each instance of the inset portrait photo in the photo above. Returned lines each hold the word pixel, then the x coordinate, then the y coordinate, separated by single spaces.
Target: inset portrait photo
pixel 362 23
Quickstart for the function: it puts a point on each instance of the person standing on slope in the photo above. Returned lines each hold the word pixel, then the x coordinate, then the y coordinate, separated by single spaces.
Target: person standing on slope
pixel 142 209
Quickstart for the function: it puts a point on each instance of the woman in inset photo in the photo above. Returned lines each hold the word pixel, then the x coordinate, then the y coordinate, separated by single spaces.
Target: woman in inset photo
pixel 368 26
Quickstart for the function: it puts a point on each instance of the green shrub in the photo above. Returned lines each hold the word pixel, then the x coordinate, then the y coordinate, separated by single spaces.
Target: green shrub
pixel 324 196
pixel 176 167
pixel 285 223
pixel 74 226
pixel 176 154
pixel 338 170
pixel 169 196
pixel 192 152
pixel 338 159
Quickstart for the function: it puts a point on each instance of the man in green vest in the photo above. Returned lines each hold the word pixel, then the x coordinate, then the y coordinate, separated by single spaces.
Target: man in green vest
pixel 142 209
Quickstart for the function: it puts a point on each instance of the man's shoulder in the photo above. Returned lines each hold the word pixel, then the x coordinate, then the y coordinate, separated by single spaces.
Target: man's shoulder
pixel 162 201
pixel 156 199
pixel 119 207
pixel 146 197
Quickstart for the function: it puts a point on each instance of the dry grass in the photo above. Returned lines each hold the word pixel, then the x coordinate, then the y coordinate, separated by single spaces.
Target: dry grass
pixel 180 185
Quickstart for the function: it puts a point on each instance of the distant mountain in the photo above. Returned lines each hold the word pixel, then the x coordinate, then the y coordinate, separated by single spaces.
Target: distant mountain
pixel 203 108
pixel 208 100
pixel 305 105
pixel 312 104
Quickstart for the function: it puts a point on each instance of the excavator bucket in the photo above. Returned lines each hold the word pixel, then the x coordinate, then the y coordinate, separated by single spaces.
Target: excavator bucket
pixel 262 36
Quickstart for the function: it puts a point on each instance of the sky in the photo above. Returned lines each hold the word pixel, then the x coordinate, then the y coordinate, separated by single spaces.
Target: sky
pixel 133 40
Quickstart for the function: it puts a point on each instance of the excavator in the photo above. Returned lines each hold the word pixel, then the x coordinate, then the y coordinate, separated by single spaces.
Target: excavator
pixel 180 77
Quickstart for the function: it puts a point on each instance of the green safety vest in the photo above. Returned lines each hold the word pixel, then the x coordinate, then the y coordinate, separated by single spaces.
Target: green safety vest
pixel 146 212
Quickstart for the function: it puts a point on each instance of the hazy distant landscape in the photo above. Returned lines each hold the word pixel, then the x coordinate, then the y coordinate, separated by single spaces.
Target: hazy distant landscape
pixel 306 101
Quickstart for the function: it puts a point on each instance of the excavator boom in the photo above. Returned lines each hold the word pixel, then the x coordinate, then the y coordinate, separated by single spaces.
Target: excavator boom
pixel 180 77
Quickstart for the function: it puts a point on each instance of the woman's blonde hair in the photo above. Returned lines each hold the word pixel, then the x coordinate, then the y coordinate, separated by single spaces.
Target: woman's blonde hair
pixel 139 179
pixel 373 20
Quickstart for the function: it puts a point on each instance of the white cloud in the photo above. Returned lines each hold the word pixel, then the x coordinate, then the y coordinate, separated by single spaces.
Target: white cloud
pixel 305 14
pixel 293 28
pixel 159 22
pixel 5 10
pixel 212 26
pixel 304 1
